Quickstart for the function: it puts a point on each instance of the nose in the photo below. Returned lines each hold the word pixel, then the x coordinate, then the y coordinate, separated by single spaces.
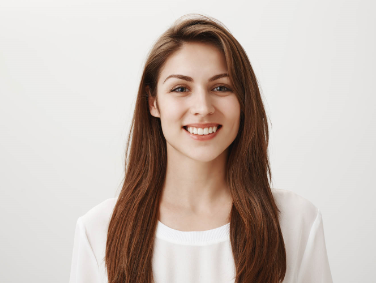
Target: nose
pixel 202 103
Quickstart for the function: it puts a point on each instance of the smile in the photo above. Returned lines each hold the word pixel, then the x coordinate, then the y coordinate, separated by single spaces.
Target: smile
pixel 202 134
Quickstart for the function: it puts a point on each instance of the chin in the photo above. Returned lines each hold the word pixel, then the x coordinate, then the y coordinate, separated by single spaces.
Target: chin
pixel 204 155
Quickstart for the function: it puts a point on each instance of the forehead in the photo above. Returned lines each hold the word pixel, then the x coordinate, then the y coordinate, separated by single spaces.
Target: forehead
pixel 195 59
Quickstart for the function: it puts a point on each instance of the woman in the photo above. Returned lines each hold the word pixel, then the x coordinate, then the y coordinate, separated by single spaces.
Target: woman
pixel 196 204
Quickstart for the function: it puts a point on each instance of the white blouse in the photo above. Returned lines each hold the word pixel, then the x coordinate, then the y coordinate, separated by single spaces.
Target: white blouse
pixel 206 256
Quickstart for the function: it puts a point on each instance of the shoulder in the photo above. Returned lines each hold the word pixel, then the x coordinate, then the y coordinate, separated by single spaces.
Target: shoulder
pixel 100 214
pixel 95 224
pixel 296 212
pixel 302 228
pixel 294 207
pixel 298 216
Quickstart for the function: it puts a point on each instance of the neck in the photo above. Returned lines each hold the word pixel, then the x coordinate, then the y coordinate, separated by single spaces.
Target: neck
pixel 194 186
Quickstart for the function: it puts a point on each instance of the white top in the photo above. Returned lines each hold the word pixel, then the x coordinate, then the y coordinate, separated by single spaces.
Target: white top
pixel 206 256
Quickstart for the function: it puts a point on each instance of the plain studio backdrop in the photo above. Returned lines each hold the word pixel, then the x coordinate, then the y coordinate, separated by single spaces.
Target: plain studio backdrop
pixel 69 75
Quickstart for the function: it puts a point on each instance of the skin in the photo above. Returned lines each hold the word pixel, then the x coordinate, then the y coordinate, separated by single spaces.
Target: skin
pixel 195 195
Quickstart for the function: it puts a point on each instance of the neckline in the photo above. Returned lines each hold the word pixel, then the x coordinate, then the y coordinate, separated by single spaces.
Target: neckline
pixel 196 238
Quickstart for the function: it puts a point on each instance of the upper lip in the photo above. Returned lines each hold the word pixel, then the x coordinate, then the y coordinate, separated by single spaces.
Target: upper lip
pixel 202 125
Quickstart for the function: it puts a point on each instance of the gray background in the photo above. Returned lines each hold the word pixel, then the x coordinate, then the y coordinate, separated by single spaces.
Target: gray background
pixel 69 73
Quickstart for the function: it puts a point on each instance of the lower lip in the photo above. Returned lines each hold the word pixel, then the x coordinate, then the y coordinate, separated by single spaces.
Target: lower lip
pixel 203 137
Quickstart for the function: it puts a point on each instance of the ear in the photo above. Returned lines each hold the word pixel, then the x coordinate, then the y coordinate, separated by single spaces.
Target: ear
pixel 152 101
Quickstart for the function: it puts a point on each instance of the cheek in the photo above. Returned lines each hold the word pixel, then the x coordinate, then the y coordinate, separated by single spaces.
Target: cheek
pixel 172 112
pixel 231 109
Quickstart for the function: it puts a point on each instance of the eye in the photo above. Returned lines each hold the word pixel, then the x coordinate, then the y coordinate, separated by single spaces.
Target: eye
pixel 179 87
pixel 226 88
pixel 220 86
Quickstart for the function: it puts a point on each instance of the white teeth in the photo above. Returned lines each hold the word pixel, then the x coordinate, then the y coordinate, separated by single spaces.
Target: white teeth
pixel 201 131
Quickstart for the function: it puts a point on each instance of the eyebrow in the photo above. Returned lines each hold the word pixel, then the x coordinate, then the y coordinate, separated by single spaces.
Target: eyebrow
pixel 189 79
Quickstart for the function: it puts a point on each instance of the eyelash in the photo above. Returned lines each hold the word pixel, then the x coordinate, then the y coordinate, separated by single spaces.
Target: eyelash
pixel 228 89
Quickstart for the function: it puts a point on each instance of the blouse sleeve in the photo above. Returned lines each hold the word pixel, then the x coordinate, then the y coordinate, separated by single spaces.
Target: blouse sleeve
pixel 84 267
pixel 315 264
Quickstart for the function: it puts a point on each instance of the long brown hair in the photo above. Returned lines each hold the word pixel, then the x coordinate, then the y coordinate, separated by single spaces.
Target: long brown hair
pixel 256 238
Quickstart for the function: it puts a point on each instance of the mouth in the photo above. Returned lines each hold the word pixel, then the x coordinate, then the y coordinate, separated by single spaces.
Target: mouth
pixel 186 128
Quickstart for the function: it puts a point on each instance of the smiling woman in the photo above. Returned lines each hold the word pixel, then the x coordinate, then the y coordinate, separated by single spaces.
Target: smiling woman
pixel 196 204
pixel 207 103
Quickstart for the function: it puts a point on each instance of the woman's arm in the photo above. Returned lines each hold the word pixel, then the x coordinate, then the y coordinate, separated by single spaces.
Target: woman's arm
pixel 315 267
pixel 84 268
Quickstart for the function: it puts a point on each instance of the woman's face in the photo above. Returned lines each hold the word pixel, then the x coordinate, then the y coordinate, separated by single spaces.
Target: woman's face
pixel 196 98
